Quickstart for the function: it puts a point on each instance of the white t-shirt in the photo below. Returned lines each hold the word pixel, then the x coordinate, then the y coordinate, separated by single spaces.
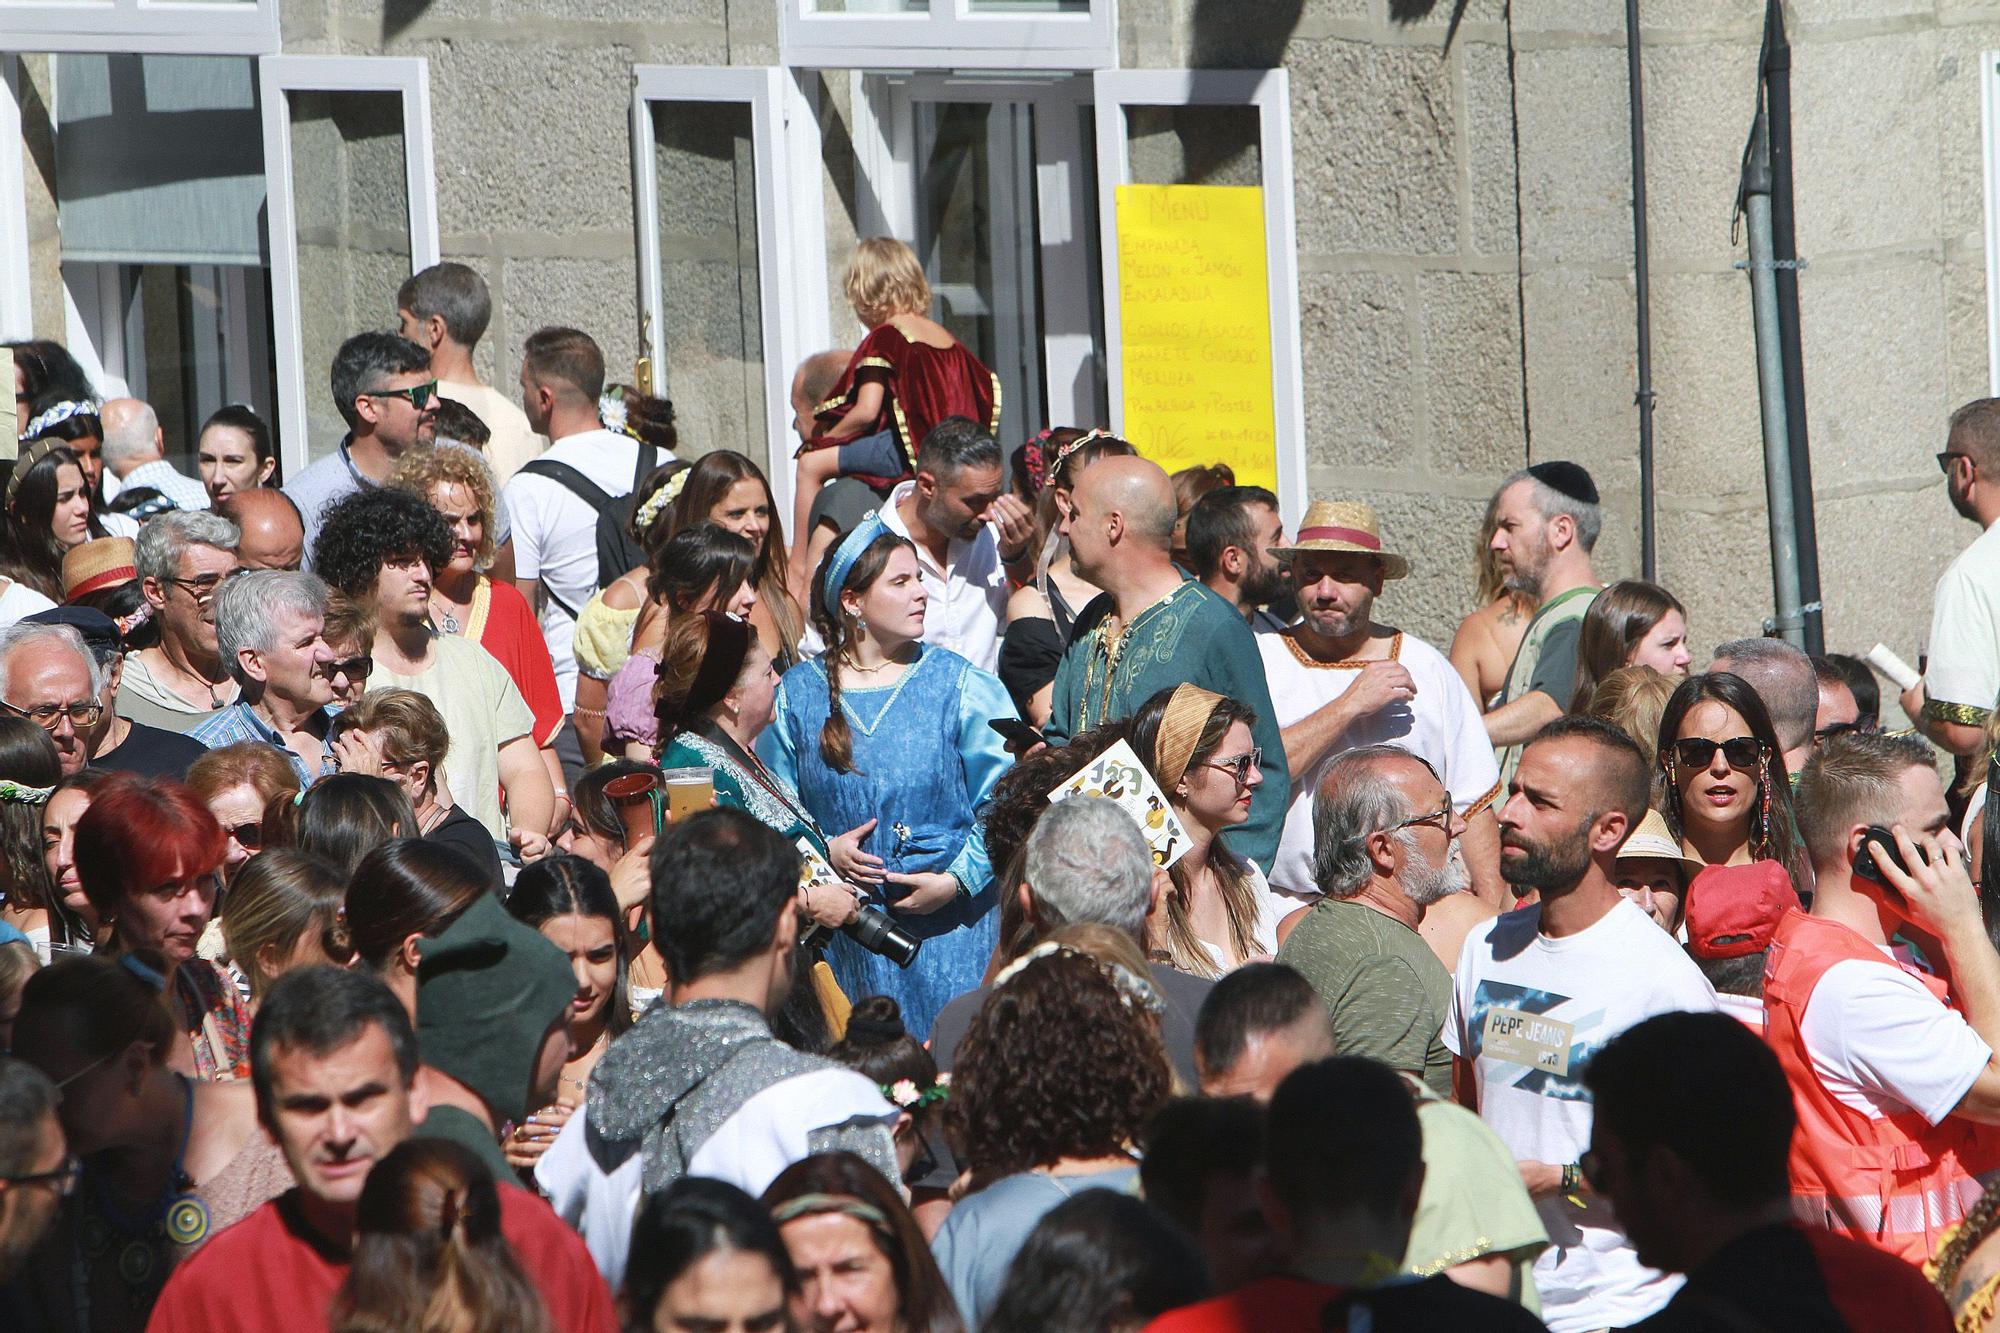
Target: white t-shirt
pixel 1529 1012
pixel 19 601
pixel 555 535
pixel 1964 665
pixel 1884 1045
pixel 1442 725
pixel 768 1133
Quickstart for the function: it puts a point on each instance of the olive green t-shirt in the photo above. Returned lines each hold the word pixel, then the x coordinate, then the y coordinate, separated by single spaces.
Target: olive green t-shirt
pixel 1388 993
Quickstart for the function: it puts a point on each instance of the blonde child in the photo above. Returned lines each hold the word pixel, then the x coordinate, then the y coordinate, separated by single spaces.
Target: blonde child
pixel 907 375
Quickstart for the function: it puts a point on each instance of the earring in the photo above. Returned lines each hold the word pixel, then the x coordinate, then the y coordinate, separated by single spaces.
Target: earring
pixel 1763 832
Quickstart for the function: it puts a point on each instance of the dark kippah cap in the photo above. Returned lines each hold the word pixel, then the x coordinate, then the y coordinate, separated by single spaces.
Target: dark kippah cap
pixel 1566 479
pixel 867 1030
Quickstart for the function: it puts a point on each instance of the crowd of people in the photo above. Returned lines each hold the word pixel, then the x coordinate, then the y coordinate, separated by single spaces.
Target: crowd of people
pixel 495 879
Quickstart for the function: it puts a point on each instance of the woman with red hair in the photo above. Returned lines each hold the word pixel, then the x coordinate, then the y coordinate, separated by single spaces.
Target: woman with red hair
pixel 149 857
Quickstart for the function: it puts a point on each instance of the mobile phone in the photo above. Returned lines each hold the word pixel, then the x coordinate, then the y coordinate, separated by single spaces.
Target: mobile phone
pixel 1017 732
pixel 1878 842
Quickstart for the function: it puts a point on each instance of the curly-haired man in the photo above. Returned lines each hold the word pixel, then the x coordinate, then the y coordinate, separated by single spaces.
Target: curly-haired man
pixel 382 546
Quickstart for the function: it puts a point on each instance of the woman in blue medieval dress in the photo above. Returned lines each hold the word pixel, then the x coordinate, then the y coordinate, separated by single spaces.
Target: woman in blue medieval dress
pixel 887 737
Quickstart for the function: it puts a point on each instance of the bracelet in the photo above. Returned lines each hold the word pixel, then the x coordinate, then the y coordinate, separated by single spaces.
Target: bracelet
pixel 1572 1183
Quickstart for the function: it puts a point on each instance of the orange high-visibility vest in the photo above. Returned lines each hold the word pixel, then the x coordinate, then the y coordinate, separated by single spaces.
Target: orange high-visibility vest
pixel 1895 1182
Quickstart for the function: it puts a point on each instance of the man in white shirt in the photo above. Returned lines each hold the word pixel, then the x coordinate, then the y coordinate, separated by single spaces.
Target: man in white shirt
pixel 969 532
pixel 1885 1061
pixel 445 310
pixel 135 453
pixel 1962 677
pixel 1539 991
pixel 1340 681
pixel 701 1087
pixel 555 528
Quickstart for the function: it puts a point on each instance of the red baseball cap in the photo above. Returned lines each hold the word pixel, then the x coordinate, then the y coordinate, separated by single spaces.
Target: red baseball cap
pixel 1732 911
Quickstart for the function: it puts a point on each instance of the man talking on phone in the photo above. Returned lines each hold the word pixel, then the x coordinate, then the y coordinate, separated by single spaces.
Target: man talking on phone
pixel 1892 1066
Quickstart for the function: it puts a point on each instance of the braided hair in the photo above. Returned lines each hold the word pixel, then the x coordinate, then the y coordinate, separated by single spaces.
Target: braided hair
pixel 836 740
pixel 1943 1268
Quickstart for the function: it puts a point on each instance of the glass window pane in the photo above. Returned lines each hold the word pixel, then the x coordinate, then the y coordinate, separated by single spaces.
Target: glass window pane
pixel 977 237
pixel 710 301
pixel 352 215
pixel 869 6
pixel 1194 145
pixel 1028 8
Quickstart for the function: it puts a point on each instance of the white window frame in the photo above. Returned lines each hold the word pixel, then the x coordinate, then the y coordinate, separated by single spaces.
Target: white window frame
pixel 1989 103
pixel 141 27
pixel 17 311
pixel 791 228
pixel 885 150
pixel 279 76
pixel 1270 92
pixel 947 35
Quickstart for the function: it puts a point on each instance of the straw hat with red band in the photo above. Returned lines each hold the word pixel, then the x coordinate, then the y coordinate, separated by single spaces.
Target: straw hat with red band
pixel 96 565
pixel 1343 525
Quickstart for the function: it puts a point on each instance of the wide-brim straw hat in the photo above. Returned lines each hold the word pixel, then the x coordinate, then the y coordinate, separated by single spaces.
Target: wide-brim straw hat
pixel 1652 840
pixel 95 565
pixel 1343 525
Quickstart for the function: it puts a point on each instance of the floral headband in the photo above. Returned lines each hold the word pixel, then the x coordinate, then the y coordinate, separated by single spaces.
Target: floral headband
pixel 1063 452
pixel 1135 991
pixel 58 413
pixel 1035 458
pixel 906 1094
pixel 657 502
pixel 612 412
pixel 24 795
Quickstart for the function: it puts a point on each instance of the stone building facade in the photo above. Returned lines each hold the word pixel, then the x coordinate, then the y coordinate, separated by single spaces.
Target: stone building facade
pixel 1461 183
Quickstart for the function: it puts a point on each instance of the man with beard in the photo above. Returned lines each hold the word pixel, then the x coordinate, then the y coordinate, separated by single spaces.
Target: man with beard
pixel 1539 991
pixel 1545 522
pixel 1339 681
pixel 1952 702
pixel 1233 534
pixel 1383 853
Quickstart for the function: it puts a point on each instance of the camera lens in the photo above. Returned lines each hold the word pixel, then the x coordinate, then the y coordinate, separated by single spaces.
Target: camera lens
pixel 875 932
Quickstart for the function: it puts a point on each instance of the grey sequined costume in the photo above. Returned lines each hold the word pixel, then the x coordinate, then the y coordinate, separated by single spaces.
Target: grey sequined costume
pixel 668 1084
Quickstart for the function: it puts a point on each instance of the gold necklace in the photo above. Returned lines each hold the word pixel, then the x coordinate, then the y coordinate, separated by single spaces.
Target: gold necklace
pixel 860 670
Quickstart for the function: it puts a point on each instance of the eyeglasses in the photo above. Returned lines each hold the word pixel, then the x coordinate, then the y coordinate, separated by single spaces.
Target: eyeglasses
pixel 1441 818
pixel 249 837
pixel 1742 752
pixel 354 668
pixel 1239 767
pixel 62 1180
pixel 1832 729
pixel 62 1083
pixel 203 589
pixel 1944 461
pixel 48 717
pixel 417 395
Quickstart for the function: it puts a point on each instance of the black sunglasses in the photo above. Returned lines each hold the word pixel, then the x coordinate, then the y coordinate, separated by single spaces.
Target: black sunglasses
pixel 250 837
pixel 1741 752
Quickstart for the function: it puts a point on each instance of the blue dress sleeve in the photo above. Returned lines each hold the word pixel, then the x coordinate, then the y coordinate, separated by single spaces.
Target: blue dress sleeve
pixel 983 752
pixel 777 746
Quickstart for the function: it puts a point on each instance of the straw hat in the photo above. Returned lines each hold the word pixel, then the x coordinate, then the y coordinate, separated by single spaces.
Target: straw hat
pixel 1343 525
pixel 96 565
pixel 1653 841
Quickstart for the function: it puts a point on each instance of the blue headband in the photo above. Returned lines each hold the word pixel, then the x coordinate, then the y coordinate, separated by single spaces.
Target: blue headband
pixel 841 563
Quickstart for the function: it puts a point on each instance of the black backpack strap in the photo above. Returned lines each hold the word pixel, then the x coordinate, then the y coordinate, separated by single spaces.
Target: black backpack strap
pixel 584 489
pixel 567 477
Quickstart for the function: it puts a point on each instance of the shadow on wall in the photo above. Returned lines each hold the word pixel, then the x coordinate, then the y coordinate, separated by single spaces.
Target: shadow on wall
pixel 1224 40
pixel 1415 11
pixel 398 15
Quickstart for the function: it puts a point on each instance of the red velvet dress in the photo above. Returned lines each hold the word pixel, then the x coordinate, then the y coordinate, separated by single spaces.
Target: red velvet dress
pixel 921 386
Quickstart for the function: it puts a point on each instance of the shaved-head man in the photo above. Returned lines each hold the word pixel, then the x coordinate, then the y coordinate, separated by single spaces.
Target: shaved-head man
pixel 273 535
pixel 1120 526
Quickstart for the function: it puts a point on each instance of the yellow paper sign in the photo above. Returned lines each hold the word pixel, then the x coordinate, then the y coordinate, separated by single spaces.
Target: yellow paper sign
pixel 1196 328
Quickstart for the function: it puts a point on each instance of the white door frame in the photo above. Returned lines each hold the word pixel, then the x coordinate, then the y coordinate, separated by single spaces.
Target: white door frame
pixel 278 77
pixel 791 227
pixel 885 155
pixel 17 310
pixel 1268 91
pixel 142 27
pixel 947 35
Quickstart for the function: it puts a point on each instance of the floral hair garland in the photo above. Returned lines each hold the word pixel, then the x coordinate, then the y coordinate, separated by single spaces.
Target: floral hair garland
pixel 657 502
pixel 1135 991
pixel 59 413
pixel 908 1096
pixel 24 795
